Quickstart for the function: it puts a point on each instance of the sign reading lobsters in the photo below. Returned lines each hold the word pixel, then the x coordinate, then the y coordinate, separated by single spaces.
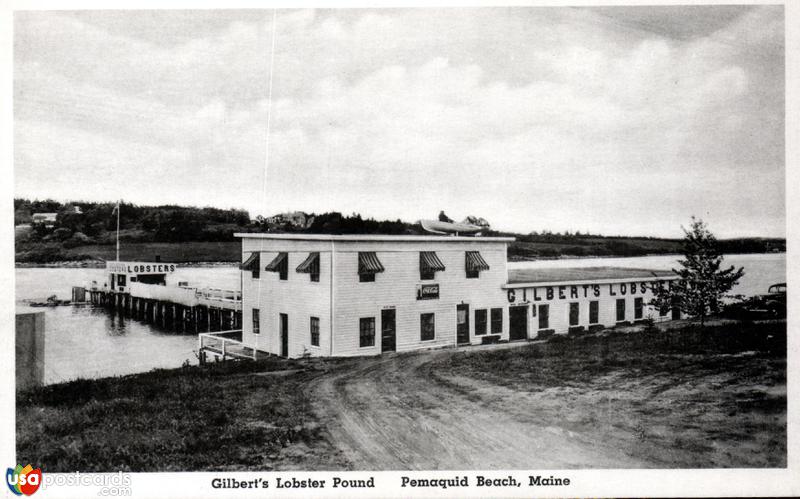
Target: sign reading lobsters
pixel 140 267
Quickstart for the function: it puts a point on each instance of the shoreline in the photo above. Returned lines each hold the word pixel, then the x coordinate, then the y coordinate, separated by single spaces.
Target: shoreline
pixel 101 264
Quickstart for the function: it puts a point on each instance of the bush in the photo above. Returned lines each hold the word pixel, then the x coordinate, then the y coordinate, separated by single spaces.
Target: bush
pixel 545 333
pixel 78 239
pixel 576 330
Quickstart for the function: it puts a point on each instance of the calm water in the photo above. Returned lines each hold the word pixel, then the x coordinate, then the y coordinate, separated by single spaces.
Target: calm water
pixel 88 342
pixel 85 342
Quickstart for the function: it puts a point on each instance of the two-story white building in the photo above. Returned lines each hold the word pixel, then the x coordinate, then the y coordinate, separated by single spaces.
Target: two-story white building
pixel 339 295
pixel 336 295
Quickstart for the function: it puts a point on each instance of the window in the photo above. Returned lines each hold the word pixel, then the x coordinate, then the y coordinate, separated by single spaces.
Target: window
pixel 620 309
pixel 253 264
pixel 310 266
pixel 497 320
pixel 429 264
pixel 427 327
pixel 314 327
pixel 280 264
pixel 594 312
pixel 574 313
pixel 366 336
pixel 474 264
pixel 368 266
pixel 480 321
pixel 544 316
pixel 638 306
pixel 256 322
pixel 120 279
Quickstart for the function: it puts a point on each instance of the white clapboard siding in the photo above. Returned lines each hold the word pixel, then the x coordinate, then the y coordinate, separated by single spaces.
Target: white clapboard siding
pixel 396 288
pixel 339 300
pixel 297 297
pixel 607 307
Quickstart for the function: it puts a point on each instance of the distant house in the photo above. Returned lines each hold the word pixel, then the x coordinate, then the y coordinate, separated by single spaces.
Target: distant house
pixel 46 219
pixel 296 219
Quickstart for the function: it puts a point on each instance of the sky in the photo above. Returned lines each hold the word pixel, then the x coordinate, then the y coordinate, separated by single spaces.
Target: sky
pixel 612 120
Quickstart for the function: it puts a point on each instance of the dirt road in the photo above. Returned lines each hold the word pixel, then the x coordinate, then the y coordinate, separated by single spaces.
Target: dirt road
pixel 397 413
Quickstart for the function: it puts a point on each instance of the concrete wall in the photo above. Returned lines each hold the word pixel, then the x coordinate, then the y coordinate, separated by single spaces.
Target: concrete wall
pixel 29 350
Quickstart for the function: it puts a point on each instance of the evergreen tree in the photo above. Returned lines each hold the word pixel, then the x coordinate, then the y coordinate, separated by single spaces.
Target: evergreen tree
pixel 702 284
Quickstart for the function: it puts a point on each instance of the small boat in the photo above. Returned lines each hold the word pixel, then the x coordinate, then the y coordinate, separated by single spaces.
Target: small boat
pixel 52 301
pixel 438 227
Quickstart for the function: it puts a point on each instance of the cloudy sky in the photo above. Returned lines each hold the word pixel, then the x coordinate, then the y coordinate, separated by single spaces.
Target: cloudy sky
pixel 614 120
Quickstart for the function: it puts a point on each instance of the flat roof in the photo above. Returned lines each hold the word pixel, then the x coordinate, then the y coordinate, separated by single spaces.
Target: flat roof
pixel 371 237
pixel 582 274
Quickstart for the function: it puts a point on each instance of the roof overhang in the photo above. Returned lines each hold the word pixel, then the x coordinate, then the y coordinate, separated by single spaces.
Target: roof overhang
pixel 372 238
pixel 587 282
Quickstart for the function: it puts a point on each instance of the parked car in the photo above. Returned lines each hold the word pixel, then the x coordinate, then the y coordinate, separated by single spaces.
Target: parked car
pixel 767 306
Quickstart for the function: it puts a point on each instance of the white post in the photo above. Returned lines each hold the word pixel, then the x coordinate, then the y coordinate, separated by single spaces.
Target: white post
pixel 117 230
pixel 223 348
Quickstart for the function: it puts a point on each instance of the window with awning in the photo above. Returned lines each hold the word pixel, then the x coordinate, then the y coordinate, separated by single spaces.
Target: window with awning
pixel 279 264
pixel 429 264
pixel 475 264
pixel 310 266
pixel 252 264
pixel 368 266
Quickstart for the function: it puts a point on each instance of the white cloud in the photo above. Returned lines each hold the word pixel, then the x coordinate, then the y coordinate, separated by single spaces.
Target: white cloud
pixel 566 122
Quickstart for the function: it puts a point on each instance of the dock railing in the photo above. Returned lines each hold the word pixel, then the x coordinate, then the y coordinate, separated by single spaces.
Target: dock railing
pixel 226 344
pixel 219 294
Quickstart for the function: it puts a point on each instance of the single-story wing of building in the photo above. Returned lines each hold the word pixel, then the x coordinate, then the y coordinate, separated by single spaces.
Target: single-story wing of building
pixel 348 295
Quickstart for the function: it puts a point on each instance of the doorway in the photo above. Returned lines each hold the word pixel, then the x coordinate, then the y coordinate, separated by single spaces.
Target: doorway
pixel 518 323
pixel 462 323
pixel 284 335
pixel 676 311
pixel 388 331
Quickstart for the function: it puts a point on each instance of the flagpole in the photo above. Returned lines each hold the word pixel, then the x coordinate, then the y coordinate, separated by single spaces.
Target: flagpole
pixel 117 230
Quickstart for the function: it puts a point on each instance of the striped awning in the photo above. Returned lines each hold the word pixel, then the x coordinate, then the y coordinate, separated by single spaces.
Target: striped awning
pixel 475 262
pixel 277 263
pixel 429 262
pixel 368 263
pixel 310 265
pixel 252 263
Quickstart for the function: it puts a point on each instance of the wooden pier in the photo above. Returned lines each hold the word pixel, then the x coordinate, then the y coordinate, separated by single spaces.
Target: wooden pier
pixel 226 345
pixel 186 310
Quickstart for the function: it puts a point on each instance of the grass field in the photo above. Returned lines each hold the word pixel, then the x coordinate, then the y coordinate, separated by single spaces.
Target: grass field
pixel 688 397
pixel 220 416
pixel 692 397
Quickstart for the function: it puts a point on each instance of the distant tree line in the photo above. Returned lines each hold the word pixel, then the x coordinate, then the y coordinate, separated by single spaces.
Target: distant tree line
pixel 81 223
pixel 96 222
pixel 336 223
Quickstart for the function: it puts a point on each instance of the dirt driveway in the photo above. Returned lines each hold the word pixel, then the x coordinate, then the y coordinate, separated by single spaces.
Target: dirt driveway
pixel 396 413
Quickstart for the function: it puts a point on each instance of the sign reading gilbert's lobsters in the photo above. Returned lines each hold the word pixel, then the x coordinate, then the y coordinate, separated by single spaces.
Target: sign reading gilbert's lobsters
pixel 140 267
